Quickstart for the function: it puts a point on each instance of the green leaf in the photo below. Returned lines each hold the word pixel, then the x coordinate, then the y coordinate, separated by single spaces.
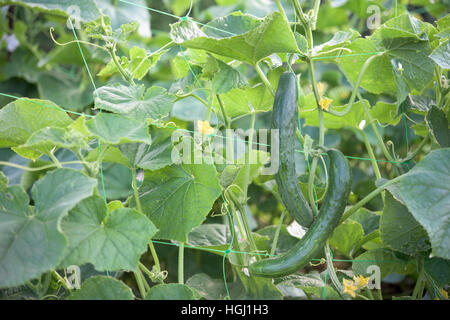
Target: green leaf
pixel 312 284
pixel 31 241
pixel 115 129
pixel 150 157
pixel 438 269
pixel 207 287
pixel 368 220
pixel 441 55
pixel 212 236
pixel 178 198
pixel 285 240
pixel 88 9
pixel 45 140
pixel 171 291
pixel 379 76
pixel 21 118
pixel 385 259
pixel 134 101
pixel 346 237
pixel 69 92
pixel 122 13
pixel 258 288
pixel 399 230
pixel 237 101
pixel 426 192
pixel 437 124
pixel 226 78
pixel 102 288
pixel 238 36
pixel 117 180
pixel 113 241
pixel 340 39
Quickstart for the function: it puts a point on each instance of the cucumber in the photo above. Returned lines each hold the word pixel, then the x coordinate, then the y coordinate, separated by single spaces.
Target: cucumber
pixel 285 119
pixel 313 242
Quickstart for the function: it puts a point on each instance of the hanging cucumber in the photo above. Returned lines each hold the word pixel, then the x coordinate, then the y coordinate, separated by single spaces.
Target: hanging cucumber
pixel 314 240
pixel 284 118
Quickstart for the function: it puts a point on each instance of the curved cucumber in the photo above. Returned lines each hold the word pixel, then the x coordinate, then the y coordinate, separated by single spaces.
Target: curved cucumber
pixel 314 240
pixel 284 118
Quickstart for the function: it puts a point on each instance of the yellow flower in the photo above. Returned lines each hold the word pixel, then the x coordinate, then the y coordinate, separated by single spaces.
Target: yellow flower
pixel 325 103
pixel 321 88
pixel 204 127
pixel 444 293
pixel 349 287
pixel 360 281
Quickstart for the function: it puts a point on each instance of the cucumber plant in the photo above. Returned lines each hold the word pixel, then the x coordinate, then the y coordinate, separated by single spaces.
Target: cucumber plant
pixel 136 140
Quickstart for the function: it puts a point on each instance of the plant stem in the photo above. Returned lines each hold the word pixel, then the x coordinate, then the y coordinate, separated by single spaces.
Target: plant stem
pixel 277 233
pixel 315 14
pixel 413 154
pixel 140 284
pixel 312 172
pixel 299 12
pixel 281 9
pixel 264 79
pixel 418 289
pixel 243 215
pixel 355 88
pixel 18 166
pixel 331 270
pixel 437 72
pixel 61 280
pixel 181 263
pixel 371 155
pixel 55 160
pixel 225 117
pixel 249 155
pixel 369 197
pixel 124 74
pixel 139 207
pixel 369 117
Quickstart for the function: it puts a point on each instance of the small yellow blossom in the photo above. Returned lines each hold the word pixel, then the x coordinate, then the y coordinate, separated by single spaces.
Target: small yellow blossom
pixel 444 293
pixel 325 103
pixel 321 88
pixel 204 127
pixel 360 281
pixel 349 287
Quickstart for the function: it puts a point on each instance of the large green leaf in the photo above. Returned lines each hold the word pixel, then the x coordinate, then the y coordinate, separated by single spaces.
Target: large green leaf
pixel 346 237
pixel 238 100
pixel 102 288
pixel 87 8
pixel 312 284
pixel 171 291
pixel 150 157
pixel 441 55
pixel 134 101
pixel 113 241
pixel 437 124
pixel 31 241
pixel 115 129
pixel 67 91
pixel 122 12
pixel 178 198
pixel 238 36
pixel 383 258
pixel 21 118
pixel 426 192
pixel 207 287
pixel 399 230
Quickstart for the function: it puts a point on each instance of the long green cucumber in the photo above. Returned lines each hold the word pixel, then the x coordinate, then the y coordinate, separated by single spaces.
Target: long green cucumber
pixel 285 119
pixel 313 242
